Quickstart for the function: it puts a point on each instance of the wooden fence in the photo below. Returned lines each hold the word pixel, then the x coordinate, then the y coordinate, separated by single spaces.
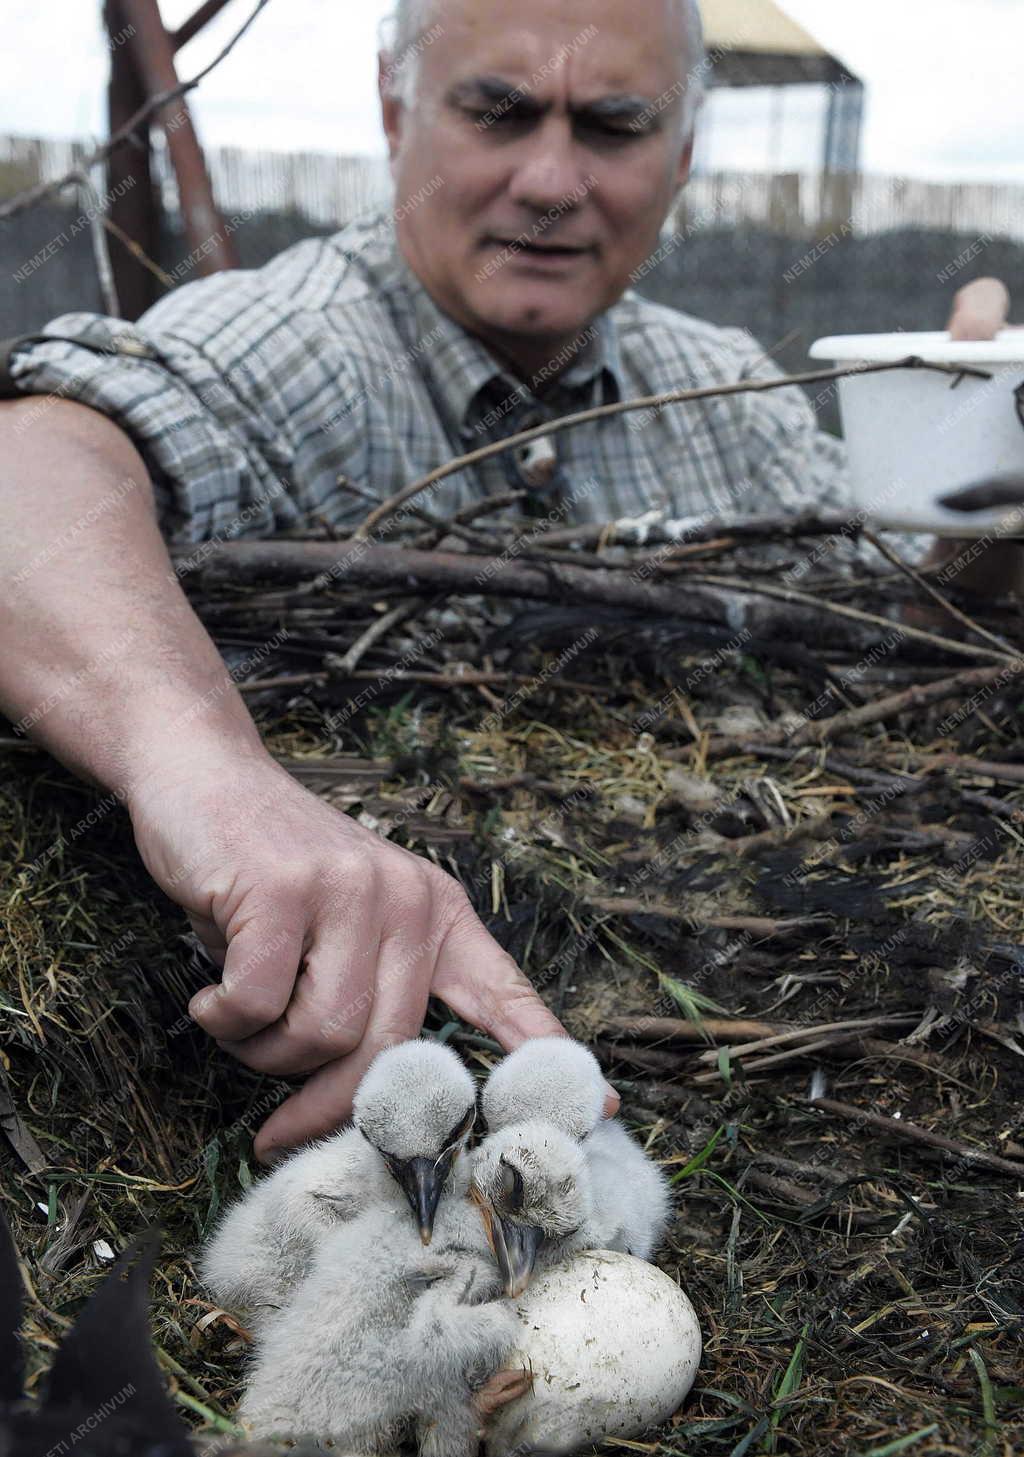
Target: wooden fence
pixel 813 205
pixel 328 189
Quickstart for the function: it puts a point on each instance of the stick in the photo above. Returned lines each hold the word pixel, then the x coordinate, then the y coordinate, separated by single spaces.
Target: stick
pixel 936 596
pixel 472 678
pixel 657 1028
pixel 138 252
pixel 760 927
pixel 847 1046
pixel 430 539
pixel 620 407
pixel 855 614
pixel 408 572
pixel 651 1059
pixel 797 1034
pixel 914 1133
pixel 100 251
pixel 699 530
pixel 792 1166
pixel 349 661
pixel 919 695
pixel 722 747
pixel 964 764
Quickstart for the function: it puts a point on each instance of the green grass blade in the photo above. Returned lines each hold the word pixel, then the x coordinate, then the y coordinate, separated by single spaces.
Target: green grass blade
pixel 902 1443
pixel 988 1402
pixel 699 1159
pixel 786 1387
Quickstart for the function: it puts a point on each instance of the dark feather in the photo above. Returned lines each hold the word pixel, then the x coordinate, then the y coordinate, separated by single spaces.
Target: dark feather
pixel 104 1396
pixel 12 1374
pixel 659 641
pixel 983 495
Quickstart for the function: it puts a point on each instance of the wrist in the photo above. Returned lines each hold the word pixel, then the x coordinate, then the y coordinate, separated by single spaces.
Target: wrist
pixel 193 743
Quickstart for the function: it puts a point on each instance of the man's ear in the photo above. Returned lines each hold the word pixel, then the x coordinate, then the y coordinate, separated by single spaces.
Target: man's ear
pixel 391 109
pixel 685 163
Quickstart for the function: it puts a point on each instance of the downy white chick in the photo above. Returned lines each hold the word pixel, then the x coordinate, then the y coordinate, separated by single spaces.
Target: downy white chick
pixel 412 1114
pixel 385 1341
pixel 533 1185
pixel 559 1080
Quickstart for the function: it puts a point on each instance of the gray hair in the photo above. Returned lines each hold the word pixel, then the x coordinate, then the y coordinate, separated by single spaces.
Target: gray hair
pixel 405 34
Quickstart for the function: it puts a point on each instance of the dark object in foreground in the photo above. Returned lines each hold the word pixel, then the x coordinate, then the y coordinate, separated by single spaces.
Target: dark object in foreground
pixel 1005 490
pixel 104 1395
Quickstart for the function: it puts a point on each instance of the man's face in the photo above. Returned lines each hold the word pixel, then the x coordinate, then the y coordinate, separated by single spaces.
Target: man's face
pixel 545 125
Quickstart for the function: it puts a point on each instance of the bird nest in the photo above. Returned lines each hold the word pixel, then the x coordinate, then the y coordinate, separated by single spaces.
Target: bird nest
pixel 758 846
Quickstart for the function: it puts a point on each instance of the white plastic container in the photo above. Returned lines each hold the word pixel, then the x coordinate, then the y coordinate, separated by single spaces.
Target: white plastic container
pixel 915 436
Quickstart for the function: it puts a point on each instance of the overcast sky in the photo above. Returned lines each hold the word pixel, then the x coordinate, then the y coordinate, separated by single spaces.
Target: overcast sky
pixel 945 97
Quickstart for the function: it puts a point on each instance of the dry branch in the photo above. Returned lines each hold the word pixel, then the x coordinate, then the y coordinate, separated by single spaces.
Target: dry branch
pixel 406 571
pixel 758 927
pixel 710 1028
pixel 908 1132
pixel 699 531
pixel 919 695
pixel 646 402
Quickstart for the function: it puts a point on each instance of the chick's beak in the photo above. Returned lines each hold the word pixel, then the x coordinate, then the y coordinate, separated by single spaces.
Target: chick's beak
pixel 515 1249
pixel 423 1180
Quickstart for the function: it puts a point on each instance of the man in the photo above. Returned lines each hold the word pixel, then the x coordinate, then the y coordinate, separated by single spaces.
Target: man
pixel 536 154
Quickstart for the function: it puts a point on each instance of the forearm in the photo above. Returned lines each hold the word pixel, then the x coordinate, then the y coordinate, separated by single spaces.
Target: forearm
pixel 102 659
pixel 989 567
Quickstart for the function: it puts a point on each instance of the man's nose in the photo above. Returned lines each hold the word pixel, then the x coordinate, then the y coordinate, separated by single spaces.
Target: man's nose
pixel 550 174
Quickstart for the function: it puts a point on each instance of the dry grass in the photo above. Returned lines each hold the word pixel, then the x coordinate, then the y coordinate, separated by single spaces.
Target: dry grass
pixel 859 1293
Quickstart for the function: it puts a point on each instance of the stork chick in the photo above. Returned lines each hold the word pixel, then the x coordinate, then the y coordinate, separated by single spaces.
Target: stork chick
pixel 533 1185
pixel 559 1080
pixel 385 1341
pixel 412 1114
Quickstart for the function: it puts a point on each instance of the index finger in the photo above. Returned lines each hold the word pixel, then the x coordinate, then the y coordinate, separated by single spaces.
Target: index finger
pixel 483 984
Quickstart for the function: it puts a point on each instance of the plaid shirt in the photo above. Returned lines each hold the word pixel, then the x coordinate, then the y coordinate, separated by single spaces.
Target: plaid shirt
pixel 254 396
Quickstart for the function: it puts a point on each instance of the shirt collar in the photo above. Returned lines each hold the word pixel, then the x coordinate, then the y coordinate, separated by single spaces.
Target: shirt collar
pixel 464 378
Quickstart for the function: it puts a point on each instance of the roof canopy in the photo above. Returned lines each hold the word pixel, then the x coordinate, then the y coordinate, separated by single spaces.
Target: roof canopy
pixel 754 43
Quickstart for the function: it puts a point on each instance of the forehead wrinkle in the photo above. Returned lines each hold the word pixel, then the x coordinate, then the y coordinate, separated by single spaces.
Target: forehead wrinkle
pixel 476 40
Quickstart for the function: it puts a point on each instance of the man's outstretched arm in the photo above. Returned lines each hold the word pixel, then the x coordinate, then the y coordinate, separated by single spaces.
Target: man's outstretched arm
pixel 103 661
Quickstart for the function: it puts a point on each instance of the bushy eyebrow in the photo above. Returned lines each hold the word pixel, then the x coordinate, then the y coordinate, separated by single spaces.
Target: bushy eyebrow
pixel 497 92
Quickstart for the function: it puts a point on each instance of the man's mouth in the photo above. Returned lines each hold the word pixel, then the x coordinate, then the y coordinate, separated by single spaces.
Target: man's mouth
pixel 544 250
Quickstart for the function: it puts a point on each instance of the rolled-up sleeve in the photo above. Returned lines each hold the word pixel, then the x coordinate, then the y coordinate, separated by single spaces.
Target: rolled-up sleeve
pixel 194 408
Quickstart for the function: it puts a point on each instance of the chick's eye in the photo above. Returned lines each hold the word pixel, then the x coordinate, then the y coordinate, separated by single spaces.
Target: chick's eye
pixel 461 1130
pixel 511 1187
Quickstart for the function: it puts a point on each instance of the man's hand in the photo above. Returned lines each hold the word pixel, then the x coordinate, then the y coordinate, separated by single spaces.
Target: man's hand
pixel 980 309
pixel 330 938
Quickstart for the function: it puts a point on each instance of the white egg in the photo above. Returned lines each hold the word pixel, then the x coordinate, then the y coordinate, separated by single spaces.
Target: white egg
pixel 613 1345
